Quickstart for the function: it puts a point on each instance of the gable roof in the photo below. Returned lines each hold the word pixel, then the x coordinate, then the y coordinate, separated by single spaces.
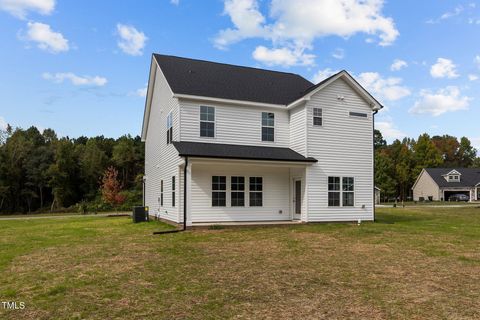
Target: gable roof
pixel 226 81
pixel 232 151
pixel 469 176
pixel 212 81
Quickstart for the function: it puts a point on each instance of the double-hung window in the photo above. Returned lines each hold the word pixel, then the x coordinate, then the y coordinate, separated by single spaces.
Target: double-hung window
pixel 256 191
pixel 238 191
pixel 219 191
pixel 341 192
pixel 207 121
pixel 169 128
pixel 317 117
pixel 347 192
pixel 161 193
pixel 334 191
pixel 268 126
pixel 173 191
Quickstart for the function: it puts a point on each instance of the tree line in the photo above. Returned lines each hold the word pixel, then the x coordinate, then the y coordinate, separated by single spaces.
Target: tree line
pixel 397 165
pixel 42 172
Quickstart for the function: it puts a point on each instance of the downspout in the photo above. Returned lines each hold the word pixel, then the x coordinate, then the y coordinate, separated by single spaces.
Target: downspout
pixel 373 143
pixel 185 194
pixel 184 203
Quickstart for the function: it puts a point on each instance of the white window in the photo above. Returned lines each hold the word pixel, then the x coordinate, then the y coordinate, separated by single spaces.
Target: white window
pixel 268 126
pixel 348 192
pixel 317 117
pixel 169 128
pixel 161 193
pixel 237 191
pixel 173 191
pixel 219 191
pixel 334 191
pixel 207 121
pixel 358 114
pixel 341 192
pixel 256 191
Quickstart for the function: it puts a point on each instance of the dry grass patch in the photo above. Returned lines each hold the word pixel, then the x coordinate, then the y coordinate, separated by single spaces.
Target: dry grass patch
pixel 411 264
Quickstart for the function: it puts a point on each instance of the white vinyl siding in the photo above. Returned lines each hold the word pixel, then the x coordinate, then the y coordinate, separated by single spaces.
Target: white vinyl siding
pixel 343 147
pixel 275 195
pixel 161 160
pixel 298 129
pixel 234 125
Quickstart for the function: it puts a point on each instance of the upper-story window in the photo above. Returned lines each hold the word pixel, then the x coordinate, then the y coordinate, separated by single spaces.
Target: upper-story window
pixel 317 117
pixel 454 178
pixel 268 126
pixel 358 114
pixel 169 128
pixel 207 121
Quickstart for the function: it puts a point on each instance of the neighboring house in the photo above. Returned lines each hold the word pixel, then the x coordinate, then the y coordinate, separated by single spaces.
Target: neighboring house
pixel 227 143
pixel 377 195
pixel 436 184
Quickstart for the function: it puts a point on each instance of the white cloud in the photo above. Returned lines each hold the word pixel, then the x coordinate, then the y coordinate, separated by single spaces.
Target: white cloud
pixel 20 8
pixel 472 77
pixel 449 14
pixel 398 64
pixel 46 38
pixel 3 124
pixel 338 54
pixel 389 130
pixel 476 60
pixel 175 2
pixel 285 57
pixel 142 92
pixel 448 99
pixel 247 19
pixel 131 40
pixel 384 88
pixel 444 68
pixel 323 74
pixel 297 23
pixel 476 143
pixel 74 79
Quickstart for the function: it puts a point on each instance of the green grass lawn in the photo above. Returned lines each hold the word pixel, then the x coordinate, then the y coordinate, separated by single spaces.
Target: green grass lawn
pixel 410 264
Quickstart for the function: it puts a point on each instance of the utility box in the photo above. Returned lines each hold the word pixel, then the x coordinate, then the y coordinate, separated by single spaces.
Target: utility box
pixel 140 214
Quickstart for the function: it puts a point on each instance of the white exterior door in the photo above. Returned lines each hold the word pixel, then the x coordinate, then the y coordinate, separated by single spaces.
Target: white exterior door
pixel 297 198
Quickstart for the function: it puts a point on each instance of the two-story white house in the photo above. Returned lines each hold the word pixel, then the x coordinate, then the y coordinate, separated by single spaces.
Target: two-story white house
pixel 226 143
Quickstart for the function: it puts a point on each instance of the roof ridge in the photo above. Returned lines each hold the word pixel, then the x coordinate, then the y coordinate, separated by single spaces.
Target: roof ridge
pixel 233 65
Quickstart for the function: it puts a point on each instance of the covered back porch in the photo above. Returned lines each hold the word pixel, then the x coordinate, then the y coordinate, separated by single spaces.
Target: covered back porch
pixel 242 184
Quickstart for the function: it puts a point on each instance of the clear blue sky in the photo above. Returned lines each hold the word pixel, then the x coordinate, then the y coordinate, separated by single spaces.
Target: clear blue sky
pixel 80 67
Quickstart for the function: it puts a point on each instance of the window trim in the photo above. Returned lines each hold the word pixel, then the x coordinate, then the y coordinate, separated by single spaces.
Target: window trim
pixel 237 191
pixel 207 121
pixel 255 191
pixel 169 127
pixel 316 116
pixel 262 126
pixel 341 192
pixel 218 191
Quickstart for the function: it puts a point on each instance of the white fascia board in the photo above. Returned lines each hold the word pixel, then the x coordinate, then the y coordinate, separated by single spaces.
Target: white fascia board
pixel 352 82
pixel 267 163
pixel 148 98
pixel 227 101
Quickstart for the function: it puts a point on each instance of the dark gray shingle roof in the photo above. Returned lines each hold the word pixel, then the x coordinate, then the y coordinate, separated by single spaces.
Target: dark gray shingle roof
pixel 218 80
pixel 231 151
pixel 469 176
